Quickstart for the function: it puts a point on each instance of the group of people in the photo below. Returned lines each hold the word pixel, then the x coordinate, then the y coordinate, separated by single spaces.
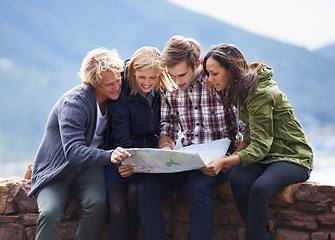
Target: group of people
pixel 145 102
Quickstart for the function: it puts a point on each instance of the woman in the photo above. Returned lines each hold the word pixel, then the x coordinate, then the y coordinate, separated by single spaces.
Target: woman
pixel 274 152
pixel 136 124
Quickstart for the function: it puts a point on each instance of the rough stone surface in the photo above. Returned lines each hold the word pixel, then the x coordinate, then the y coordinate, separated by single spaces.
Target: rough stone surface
pixel 299 211
pixel 12 232
pixel 320 236
pixel 6 186
pixel 224 234
pixel 315 193
pixel 20 191
pixel 11 206
pixel 327 220
pixel 312 206
pixel 287 218
pixel 283 234
pixel 29 171
pixel 285 197
pixel 225 193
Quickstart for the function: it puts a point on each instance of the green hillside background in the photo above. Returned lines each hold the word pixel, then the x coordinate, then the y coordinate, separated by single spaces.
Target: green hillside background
pixel 42 44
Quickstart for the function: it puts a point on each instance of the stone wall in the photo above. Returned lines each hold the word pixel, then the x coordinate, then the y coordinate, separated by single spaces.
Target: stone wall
pixel 301 211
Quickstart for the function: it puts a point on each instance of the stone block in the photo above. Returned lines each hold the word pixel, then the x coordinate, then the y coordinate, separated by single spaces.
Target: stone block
pixel 283 234
pixel 220 216
pixel 326 220
pixel 12 232
pixel 11 206
pixel 288 218
pixel 225 192
pixel 6 186
pixel 168 211
pixel 221 233
pixel 24 203
pixel 31 232
pixel 183 212
pixel 67 231
pixel 30 219
pixel 320 206
pixel 181 231
pixel 310 192
pixel 29 171
pixel 10 219
pixel 284 197
pixel 235 217
pixel 320 236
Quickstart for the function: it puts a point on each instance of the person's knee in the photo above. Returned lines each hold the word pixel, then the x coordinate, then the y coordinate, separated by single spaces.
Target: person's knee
pixel 95 203
pixel 51 215
pixel 117 211
pixel 259 190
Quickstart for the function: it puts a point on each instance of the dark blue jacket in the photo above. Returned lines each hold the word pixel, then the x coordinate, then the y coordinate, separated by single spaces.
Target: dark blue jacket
pixel 134 124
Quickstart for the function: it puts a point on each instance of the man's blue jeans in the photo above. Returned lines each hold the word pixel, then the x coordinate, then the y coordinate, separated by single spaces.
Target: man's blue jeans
pixel 153 186
pixel 89 185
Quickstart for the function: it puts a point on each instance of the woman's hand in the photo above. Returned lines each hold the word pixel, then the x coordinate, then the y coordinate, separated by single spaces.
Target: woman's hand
pixel 221 164
pixel 118 155
pixel 213 168
pixel 126 170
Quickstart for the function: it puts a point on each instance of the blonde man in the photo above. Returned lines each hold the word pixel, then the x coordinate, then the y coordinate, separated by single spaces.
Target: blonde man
pixel 71 154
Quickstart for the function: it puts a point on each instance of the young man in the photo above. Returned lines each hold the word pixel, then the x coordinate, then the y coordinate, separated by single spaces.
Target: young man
pixel 71 154
pixel 201 117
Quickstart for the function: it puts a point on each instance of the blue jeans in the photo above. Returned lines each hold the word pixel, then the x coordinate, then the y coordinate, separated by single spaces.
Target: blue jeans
pixel 153 186
pixel 89 185
pixel 252 187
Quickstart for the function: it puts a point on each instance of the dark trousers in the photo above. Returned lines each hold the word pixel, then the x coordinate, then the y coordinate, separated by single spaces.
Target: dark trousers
pixel 252 187
pixel 153 186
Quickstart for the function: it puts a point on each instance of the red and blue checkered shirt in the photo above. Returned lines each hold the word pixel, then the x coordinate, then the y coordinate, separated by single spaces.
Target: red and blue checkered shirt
pixel 199 115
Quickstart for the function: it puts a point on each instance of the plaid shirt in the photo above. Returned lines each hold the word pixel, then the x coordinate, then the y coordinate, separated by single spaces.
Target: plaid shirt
pixel 200 116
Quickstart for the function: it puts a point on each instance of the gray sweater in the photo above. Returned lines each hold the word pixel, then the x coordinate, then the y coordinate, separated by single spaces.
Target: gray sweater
pixel 68 135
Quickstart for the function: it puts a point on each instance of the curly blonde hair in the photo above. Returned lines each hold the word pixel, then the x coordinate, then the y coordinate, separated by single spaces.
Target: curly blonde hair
pixel 96 61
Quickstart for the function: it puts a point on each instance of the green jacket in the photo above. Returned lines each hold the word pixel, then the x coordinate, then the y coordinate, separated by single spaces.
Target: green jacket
pixel 273 132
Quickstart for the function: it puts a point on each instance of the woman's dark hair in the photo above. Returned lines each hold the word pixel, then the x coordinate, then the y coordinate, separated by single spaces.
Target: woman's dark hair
pixel 243 78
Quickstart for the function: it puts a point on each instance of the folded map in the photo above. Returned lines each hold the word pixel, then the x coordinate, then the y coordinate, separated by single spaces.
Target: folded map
pixel 151 160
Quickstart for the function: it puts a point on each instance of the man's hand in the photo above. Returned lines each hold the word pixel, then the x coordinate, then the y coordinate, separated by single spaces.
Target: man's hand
pixel 166 143
pixel 126 170
pixel 118 155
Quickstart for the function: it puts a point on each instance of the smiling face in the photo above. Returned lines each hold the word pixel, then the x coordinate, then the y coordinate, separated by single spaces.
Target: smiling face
pixel 183 75
pixel 147 79
pixel 217 75
pixel 108 86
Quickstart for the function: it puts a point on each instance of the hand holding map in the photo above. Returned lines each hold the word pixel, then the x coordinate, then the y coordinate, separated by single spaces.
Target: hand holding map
pixel 150 160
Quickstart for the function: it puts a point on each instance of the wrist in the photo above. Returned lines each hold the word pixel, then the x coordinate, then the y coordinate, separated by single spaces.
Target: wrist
pixel 165 145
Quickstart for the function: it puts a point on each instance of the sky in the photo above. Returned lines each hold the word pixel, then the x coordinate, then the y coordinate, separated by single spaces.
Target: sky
pixel 305 23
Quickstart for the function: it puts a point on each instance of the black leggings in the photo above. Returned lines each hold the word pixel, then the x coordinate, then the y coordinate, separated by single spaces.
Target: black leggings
pixel 123 204
pixel 253 185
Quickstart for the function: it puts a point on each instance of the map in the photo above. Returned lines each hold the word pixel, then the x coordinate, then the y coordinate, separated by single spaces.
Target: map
pixel 150 160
